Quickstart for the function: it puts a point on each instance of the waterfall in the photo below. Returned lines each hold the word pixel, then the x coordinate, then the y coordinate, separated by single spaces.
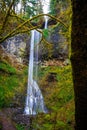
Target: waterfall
pixel 46 22
pixel 34 99
pixel 46 8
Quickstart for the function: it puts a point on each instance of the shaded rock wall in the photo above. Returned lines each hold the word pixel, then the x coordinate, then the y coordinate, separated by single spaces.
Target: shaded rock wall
pixel 17 46
pixel 60 48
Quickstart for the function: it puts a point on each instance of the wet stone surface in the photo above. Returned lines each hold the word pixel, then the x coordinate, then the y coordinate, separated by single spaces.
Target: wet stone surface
pixel 17 115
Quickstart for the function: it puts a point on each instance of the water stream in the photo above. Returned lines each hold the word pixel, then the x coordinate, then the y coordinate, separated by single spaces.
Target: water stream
pixel 34 99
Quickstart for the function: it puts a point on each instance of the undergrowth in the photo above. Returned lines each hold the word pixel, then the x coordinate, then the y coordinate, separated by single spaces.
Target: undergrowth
pixel 12 83
pixel 57 91
pixel 58 97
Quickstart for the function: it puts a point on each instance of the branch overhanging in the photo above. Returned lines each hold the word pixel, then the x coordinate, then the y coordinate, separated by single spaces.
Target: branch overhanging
pixel 15 31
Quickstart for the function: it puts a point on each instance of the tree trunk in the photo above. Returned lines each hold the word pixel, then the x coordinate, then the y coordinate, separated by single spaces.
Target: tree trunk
pixel 79 61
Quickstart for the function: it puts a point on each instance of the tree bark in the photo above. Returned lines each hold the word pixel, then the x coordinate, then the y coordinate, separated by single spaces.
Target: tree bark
pixel 79 61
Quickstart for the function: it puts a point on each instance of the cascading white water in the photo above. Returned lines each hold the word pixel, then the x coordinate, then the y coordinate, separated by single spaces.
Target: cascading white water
pixel 46 8
pixel 34 99
pixel 46 22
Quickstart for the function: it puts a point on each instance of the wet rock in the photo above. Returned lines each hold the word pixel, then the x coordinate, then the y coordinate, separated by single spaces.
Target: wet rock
pixel 60 48
pixel 17 115
pixel 21 119
pixel 9 58
pixel 5 123
pixel 17 46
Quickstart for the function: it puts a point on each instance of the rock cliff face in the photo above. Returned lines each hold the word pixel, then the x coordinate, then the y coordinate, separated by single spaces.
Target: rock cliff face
pixel 17 46
pixel 60 48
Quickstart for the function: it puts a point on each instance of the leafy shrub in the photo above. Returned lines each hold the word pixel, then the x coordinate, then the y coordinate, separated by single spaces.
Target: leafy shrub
pixel 11 83
pixel 7 68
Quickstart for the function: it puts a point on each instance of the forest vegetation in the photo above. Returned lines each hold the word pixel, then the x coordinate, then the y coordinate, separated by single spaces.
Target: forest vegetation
pixel 54 75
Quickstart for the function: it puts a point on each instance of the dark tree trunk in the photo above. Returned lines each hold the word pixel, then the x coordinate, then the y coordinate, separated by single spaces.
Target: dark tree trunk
pixel 79 61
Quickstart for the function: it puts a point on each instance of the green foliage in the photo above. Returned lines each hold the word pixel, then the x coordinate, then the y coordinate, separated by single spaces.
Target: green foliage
pixel 6 89
pixel 57 5
pixel 9 83
pixel 58 97
pixel 53 8
pixel 31 10
pixel 61 88
pixel 7 68
pixel 20 127
pixel 45 33
pixel 58 94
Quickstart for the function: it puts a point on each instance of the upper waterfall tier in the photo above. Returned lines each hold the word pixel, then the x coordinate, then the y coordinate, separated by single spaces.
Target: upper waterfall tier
pixel 46 6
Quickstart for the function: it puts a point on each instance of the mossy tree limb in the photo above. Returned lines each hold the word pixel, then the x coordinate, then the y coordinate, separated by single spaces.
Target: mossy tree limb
pixel 20 29
pixel 6 17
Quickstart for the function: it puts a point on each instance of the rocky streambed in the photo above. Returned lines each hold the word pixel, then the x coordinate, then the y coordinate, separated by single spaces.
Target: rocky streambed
pixel 9 117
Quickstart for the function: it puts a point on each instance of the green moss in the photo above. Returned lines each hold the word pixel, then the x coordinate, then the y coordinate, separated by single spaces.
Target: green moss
pixel 20 127
pixel 10 84
pixel 45 33
pixel 58 97
pixel 7 68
